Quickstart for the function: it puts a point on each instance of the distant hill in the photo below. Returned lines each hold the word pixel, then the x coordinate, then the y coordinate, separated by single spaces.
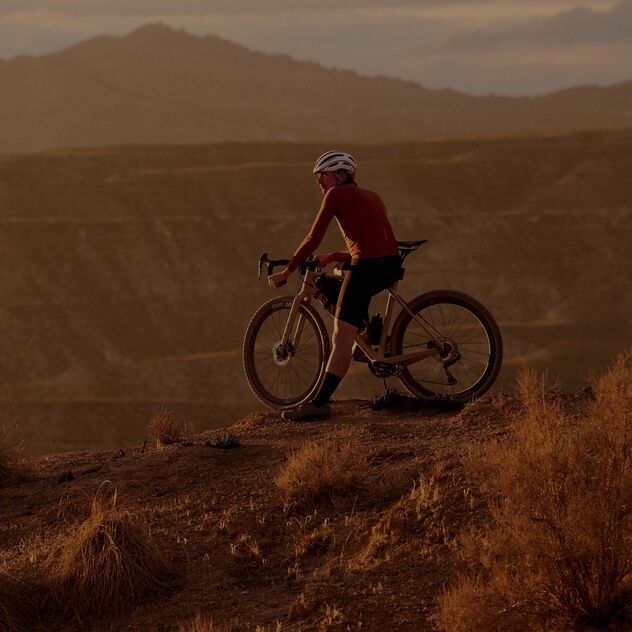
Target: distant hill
pixel 157 85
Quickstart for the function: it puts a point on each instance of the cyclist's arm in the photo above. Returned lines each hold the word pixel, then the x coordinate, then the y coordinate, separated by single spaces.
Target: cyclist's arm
pixel 309 244
pixel 341 255
pixel 315 236
pixel 332 257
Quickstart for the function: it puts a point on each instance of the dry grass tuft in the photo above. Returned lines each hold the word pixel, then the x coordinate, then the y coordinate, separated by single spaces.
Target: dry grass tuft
pixel 203 624
pixel 224 441
pixel 420 513
pixel 323 470
pixel 247 552
pixel 558 550
pixel 390 399
pixel 108 564
pixel 167 427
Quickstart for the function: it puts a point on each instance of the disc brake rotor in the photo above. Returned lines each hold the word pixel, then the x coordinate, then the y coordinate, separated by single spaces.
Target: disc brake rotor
pixel 280 356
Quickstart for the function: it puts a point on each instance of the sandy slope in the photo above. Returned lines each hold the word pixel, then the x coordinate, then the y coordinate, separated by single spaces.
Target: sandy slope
pixel 370 562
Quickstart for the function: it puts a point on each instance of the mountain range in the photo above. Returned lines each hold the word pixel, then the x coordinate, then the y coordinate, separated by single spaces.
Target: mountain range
pixel 157 85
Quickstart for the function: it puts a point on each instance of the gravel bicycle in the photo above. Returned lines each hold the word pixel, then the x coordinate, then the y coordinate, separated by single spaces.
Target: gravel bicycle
pixel 443 345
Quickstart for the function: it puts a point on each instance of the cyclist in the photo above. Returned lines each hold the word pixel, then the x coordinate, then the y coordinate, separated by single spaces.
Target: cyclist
pixel 374 264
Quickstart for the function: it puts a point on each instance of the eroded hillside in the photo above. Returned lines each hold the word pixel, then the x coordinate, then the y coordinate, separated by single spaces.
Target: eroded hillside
pixel 129 273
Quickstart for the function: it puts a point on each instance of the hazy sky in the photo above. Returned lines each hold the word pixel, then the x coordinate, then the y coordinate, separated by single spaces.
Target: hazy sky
pixel 503 46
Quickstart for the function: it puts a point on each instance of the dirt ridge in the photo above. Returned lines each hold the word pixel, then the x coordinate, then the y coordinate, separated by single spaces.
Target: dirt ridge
pixel 375 560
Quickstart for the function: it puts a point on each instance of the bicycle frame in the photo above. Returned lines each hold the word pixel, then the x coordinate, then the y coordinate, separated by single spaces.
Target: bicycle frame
pixel 309 290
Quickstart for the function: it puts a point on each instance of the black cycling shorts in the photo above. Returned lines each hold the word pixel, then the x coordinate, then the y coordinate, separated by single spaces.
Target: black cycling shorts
pixel 365 279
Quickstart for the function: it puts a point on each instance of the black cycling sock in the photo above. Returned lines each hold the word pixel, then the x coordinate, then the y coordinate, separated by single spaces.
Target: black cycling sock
pixel 329 385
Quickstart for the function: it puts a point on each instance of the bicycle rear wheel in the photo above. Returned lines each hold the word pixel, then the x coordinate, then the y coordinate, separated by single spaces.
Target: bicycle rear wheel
pixel 279 378
pixel 468 365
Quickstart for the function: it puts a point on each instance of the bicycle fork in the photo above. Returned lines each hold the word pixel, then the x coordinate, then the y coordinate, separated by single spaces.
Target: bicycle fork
pixel 291 337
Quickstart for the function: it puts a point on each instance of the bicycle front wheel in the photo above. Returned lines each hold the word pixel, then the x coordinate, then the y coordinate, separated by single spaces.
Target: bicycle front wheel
pixel 468 361
pixel 284 378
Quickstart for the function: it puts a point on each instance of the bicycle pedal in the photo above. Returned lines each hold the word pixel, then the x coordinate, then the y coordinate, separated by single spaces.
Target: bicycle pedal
pixel 384 369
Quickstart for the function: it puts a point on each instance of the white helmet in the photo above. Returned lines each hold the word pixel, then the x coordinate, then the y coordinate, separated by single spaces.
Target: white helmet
pixel 335 160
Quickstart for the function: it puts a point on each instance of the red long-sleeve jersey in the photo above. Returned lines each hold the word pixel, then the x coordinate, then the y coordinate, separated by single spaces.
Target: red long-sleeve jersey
pixel 363 221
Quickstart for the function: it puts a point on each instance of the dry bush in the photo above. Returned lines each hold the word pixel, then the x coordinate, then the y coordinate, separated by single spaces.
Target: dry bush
pixel 203 624
pixel 166 427
pixel 108 564
pixel 558 550
pixel 323 470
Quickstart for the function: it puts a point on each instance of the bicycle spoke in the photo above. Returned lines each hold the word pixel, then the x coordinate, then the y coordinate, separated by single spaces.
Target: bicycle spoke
pixel 284 376
pixel 462 329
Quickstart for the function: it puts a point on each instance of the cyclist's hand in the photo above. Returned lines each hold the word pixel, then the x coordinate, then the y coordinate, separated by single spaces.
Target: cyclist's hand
pixel 278 279
pixel 324 260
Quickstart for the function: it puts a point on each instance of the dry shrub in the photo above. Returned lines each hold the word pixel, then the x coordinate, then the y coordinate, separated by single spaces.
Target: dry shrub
pixel 323 470
pixel 203 624
pixel 558 550
pixel 108 564
pixel 166 427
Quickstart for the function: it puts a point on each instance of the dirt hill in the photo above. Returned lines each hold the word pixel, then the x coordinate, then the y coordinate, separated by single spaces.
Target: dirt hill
pixel 243 554
pixel 157 85
pixel 358 522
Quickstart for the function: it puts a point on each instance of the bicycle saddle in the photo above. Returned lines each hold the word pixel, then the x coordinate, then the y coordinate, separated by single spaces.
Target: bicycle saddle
pixel 406 247
pixel 411 245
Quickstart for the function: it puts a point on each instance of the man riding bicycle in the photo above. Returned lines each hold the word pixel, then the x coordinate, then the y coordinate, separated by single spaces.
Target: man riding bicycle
pixel 372 258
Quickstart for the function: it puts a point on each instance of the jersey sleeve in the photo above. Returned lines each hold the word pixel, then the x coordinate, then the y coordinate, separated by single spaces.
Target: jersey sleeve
pixel 317 232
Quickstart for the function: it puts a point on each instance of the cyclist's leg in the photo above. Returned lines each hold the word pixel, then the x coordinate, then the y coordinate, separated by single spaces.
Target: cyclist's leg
pixel 339 360
pixel 342 342
pixel 353 303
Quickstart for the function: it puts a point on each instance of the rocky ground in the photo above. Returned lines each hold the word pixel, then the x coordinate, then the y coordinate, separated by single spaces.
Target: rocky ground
pixel 248 554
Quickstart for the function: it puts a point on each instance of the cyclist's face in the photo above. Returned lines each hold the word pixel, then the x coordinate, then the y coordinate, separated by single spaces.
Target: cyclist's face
pixel 326 180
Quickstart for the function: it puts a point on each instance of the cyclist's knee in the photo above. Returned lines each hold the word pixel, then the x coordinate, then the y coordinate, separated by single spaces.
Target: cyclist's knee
pixel 343 333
